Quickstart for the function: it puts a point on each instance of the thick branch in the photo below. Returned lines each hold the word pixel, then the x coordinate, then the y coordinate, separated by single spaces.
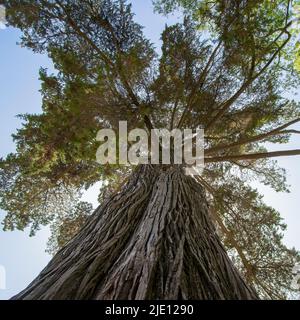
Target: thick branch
pixel 278 131
pixel 253 156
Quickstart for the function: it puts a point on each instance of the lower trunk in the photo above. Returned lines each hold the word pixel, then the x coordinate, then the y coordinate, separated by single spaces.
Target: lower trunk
pixel 153 240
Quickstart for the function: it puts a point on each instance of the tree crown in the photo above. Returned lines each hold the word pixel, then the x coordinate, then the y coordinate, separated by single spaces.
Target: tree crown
pixel 226 67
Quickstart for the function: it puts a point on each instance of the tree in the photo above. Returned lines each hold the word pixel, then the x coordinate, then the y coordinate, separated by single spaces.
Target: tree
pixel 158 233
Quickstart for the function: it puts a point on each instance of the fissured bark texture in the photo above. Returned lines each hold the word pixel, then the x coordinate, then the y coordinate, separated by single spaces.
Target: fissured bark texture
pixel 154 239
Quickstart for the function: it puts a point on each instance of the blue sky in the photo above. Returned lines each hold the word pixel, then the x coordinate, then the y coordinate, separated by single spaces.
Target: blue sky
pixel 24 257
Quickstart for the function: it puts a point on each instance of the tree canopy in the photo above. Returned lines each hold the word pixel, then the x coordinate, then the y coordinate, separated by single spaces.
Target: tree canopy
pixel 227 67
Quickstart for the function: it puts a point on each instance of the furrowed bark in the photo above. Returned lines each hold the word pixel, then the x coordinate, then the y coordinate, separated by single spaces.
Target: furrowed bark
pixel 154 239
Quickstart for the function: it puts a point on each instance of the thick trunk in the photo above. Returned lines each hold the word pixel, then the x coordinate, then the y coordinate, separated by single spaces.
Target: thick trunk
pixel 153 240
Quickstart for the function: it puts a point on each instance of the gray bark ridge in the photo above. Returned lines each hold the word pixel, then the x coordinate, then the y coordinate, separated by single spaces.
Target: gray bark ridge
pixel 154 239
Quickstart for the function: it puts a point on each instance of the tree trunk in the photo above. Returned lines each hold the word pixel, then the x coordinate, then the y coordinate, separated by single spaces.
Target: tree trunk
pixel 153 240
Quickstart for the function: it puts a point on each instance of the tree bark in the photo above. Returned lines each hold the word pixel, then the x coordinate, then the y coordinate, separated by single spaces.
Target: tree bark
pixel 154 239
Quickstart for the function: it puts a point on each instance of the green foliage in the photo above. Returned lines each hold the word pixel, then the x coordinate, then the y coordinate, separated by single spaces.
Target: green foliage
pixel 253 233
pixel 244 25
pixel 226 68
pixel 67 226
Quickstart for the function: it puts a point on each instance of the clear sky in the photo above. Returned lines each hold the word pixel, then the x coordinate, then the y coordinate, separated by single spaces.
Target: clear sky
pixel 24 257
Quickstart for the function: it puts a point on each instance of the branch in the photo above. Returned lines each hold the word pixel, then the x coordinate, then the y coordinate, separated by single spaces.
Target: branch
pixel 263 136
pixel 200 83
pixel 226 105
pixel 104 23
pixel 253 156
pixel 290 131
pixel 82 34
pixel 175 106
